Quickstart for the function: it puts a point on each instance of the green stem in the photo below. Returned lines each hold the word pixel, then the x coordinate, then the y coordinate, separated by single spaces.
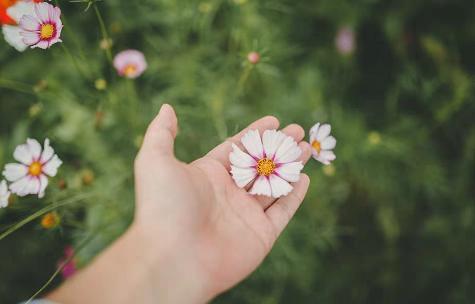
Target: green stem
pixel 244 77
pixel 105 36
pixel 17 86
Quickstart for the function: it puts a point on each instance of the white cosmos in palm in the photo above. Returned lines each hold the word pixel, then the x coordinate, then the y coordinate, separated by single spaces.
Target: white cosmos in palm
pixel 30 176
pixel 269 165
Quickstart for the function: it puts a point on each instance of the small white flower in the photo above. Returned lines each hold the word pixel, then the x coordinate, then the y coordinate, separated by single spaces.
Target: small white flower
pixel 322 143
pixel 30 176
pixel 4 194
pixel 269 165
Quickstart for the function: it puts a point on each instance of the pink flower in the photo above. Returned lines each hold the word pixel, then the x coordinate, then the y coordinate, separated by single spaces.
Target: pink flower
pixel 345 41
pixel 30 176
pixel 44 28
pixel 254 57
pixel 130 63
pixel 270 164
pixel 69 269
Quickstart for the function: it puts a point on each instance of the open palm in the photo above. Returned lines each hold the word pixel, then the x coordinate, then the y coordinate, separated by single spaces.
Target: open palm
pixel 199 211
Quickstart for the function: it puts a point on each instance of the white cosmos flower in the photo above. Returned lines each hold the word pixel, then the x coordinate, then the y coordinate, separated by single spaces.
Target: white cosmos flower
pixel 4 194
pixel 30 176
pixel 270 164
pixel 11 32
pixel 322 143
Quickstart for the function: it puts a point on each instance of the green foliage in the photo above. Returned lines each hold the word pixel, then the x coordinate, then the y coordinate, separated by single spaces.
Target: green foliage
pixel 391 221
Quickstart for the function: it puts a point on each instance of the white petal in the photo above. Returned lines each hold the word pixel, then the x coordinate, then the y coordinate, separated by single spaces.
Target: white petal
pixel 35 148
pixel 20 9
pixel 288 151
pixel 43 44
pixel 47 152
pixel 253 144
pixel 12 36
pixel 290 171
pixel 279 187
pixel 29 23
pixel 3 187
pixel 21 187
pixel 325 157
pixel 41 10
pixel 328 143
pixel 323 132
pixel 243 176
pixel 43 184
pixel 261 187
pixel 271 140
pixel 22 154
pixel 240 159
pixel 30 38
pixel 4 194
pixel 51 167
pixel 14 172
pixel 314 129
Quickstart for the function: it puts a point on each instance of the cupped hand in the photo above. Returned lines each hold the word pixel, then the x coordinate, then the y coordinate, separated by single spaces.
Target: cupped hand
pixel 209 232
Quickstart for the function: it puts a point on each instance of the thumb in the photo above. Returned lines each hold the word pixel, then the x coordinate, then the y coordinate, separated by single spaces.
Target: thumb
pixel 161 132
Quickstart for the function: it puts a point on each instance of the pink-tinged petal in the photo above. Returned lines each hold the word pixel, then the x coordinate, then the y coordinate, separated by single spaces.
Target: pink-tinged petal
pixel 42 44
pixel 261 187
pixel 42 187
pixel 12 37
pixel 290 171
pixel 323 132
pixel 30 38
pixel 271 140
pixel 288 151
pixel 240 159
pixel 14 172
pixel 29 23
pixel 42 11
pixel 243 176
pixel 51 167
pixel 23 154
pixel 328 143
pixel 279 187
pixel 129 58
pixel 253 144
pixel 21 187
pixel 35 148
pixel 20 9
pixel 47 152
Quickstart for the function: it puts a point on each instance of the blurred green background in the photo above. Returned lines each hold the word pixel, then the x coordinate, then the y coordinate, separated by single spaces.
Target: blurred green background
pixel 391 221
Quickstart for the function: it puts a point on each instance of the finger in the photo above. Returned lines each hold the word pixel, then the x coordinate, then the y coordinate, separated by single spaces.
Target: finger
pixel 221 152
pixel 282 211
pixel 298 134
pixel 161 132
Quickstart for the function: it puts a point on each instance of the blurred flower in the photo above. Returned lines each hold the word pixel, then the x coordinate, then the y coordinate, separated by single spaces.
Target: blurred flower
pixel 11 30
pixel 4 194
pixel 30 176
pixel 253 57
pixel 62 184
pixel 345 41
pixel 50 220
pixel 35 109
pixel 130 63
pixel 329 170
pixel 87 177
pixel 269 163
pixel 40 86
pixel 374 138
pixel 100 84
pixel 42 29
pixel 322 143
pixel 68 263
pixel 106 43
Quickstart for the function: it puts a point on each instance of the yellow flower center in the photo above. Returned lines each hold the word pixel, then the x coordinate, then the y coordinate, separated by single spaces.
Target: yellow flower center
pixel 35 168
pixel 130 69
pixel 265 167
pixel 46 31
pixel 317 146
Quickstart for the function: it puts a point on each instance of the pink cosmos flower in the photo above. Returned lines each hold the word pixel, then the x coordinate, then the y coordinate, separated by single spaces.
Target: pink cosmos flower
pixel 42 29
pixel 322 143
pixel 345 41
pixel 69 269
pixel 130 63
pixel 30 176
pixel 270 164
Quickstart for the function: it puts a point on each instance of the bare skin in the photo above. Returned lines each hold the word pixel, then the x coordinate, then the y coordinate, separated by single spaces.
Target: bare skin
pixel 195 233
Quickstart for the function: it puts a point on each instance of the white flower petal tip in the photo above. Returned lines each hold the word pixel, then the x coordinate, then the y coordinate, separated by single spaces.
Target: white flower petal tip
pixel 322 143
pixel 4 194
pixel 11 31
pixel 42 27
pixel 30 176
pixel 268 165
pixel 130 63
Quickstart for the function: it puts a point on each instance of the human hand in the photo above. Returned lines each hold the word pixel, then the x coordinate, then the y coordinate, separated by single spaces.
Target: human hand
pixel 196 213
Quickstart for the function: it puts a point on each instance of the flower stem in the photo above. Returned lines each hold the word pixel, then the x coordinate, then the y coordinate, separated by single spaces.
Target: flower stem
pixel 105 36
pixel 17 86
